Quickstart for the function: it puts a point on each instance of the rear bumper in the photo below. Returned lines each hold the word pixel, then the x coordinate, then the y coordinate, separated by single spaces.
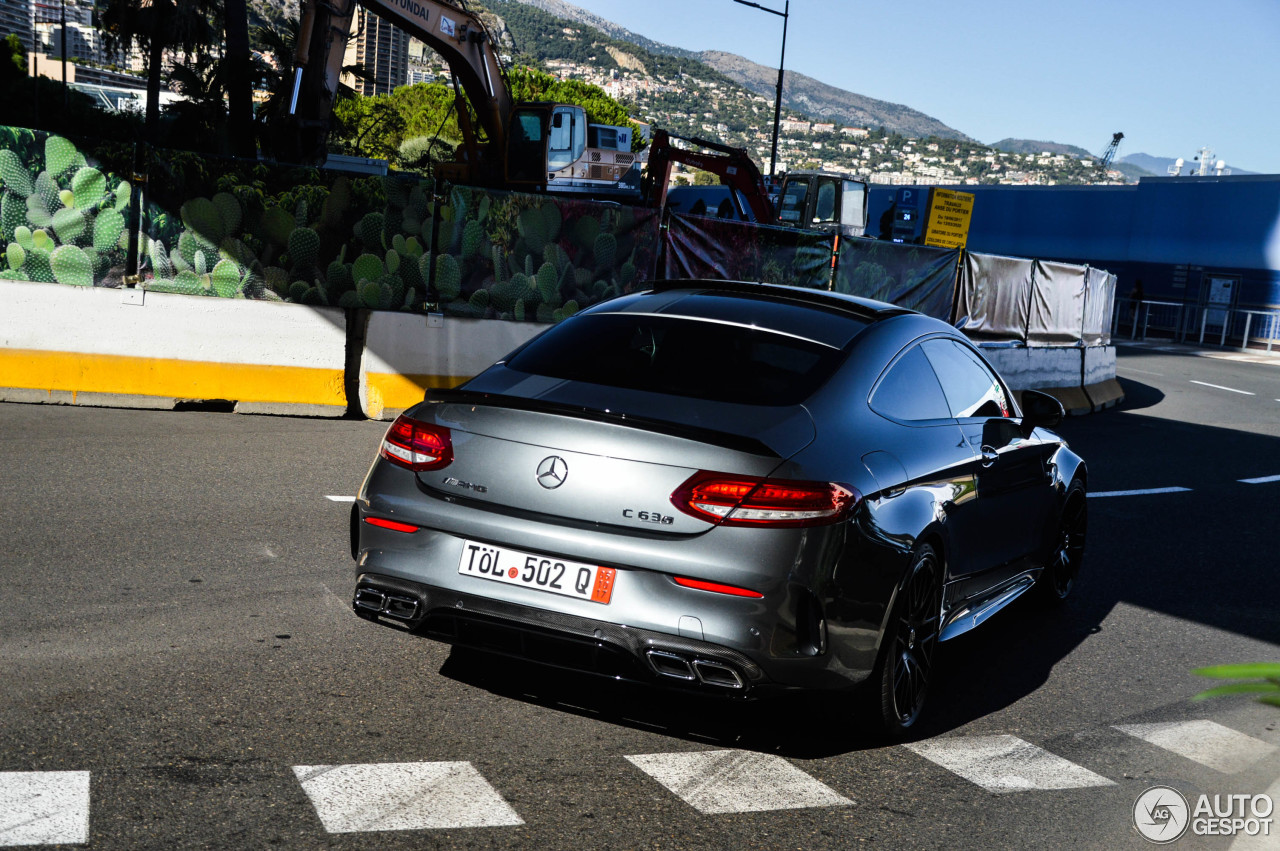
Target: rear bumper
pixel 565 641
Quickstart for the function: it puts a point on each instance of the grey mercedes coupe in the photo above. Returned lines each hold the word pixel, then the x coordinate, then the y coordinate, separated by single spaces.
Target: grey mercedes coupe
pixel 728 487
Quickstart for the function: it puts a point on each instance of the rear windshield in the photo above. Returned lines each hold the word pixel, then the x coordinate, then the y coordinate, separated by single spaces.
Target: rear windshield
pixel 681 357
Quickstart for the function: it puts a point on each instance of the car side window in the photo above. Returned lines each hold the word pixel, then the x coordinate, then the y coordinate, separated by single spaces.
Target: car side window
pixel 910 391
pixel 972 390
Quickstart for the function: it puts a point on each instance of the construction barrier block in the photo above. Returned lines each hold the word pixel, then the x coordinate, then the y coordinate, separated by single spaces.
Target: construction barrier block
pixel 131 348
pixel 406 353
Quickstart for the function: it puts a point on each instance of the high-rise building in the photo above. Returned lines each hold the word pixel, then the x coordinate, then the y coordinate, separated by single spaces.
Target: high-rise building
pixel 15 17
pixel 382 49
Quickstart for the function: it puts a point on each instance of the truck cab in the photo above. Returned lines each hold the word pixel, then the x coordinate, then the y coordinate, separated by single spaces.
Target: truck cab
pixel 822 200
pixel 552 148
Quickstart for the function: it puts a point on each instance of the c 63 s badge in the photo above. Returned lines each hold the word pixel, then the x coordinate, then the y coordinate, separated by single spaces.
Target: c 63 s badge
pixel 648 517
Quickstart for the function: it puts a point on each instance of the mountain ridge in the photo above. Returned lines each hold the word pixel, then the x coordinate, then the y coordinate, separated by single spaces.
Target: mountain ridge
pixel 801 93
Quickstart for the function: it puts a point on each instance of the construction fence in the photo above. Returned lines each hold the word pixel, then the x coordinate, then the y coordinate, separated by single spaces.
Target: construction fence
pixel 73 212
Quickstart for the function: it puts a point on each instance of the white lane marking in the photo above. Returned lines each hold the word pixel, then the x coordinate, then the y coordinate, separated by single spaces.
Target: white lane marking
pixel 1205 742
pixel 44 808
pixel 1006 764
pixel 1143 371
pixel 341 498
pixel 403 796
pixel 1140 492
pixel 1261 480
pixel 1220 387
pixel 1260 842
pixel 736 781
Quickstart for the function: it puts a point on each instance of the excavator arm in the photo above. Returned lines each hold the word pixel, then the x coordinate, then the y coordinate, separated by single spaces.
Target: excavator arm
pixel 453 32
pixel 732 165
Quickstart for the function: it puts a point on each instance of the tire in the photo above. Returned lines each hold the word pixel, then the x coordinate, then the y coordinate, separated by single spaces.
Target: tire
pixel 1062 572
pixel 910 644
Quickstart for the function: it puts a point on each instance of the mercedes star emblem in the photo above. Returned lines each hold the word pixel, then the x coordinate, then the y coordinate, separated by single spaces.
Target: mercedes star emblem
pixel 552 472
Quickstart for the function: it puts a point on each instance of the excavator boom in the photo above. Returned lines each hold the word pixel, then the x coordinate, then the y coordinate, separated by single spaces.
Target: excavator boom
pixel 453 32
pixel 732 165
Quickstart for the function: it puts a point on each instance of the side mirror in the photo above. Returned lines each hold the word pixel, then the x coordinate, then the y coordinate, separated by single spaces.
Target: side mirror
pixel 1040 410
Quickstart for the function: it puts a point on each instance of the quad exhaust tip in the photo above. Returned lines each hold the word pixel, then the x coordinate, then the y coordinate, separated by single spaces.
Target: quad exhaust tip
pixel 704 671
pixel 378 602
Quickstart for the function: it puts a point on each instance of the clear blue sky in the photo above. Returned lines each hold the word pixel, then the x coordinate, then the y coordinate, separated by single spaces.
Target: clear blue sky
pixel 1172 75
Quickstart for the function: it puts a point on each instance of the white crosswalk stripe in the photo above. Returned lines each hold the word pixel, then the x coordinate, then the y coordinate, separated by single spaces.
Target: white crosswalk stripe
pixel 403 796
pixel 736 781
pixel 1205 742
pixel 1006 764
pixel 44 808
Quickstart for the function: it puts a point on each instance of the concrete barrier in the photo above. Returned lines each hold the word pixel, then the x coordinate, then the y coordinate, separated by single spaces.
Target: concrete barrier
pixel 405 353
pixel 130 348
pixel 1100 377
pixel 1083 379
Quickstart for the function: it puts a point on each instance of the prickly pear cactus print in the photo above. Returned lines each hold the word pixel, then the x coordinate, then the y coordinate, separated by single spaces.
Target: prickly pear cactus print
pixel 62 218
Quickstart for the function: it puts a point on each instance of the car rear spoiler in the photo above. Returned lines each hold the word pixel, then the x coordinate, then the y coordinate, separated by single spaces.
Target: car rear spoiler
pixel 713 437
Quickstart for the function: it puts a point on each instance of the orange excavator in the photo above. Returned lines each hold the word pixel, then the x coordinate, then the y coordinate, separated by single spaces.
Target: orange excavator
pixel 528 146
pixel 538 146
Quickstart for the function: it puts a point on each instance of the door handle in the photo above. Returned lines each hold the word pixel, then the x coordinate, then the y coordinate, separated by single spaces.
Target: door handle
pixel 989 455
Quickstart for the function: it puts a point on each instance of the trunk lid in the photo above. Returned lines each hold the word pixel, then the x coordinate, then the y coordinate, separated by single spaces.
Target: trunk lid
pixel 616 460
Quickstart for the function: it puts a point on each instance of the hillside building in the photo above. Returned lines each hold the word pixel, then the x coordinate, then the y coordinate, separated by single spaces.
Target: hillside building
pixel 382 49
pixel 15 17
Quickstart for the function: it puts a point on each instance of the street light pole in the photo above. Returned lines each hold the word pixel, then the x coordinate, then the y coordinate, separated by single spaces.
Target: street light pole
pixel 777 103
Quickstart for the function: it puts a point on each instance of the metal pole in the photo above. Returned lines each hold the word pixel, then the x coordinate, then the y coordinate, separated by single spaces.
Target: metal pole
pixel 1204 318
pixel 777 103
pixel 782 61
pixel 1248 320
pixel 1146 321
pixel 1226 321
pixel 64 54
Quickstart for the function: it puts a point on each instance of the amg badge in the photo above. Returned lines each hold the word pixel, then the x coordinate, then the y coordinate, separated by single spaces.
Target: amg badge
pixel 458 483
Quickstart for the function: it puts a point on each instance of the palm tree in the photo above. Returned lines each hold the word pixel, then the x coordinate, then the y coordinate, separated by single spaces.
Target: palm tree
pixel 239 80
pixel 157 26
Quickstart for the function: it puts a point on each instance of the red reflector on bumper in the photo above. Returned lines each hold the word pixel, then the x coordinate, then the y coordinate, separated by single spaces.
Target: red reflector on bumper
pixel 390 524
pixel 717 587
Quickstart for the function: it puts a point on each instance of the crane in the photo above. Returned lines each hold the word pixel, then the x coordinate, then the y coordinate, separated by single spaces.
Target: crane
pixel 1110 153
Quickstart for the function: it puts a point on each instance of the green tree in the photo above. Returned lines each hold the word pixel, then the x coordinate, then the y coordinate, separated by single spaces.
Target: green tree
pixel 13 58
pixel 157 26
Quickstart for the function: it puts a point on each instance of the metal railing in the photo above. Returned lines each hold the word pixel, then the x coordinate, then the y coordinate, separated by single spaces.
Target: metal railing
pixel 1145 316
pixel 1230 317
pixel 1178 322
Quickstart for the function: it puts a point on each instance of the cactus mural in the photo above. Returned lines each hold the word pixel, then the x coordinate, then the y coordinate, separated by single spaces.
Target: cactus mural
pixel 241 229
pixel 729 250
pixel 62 219
pixel 914 276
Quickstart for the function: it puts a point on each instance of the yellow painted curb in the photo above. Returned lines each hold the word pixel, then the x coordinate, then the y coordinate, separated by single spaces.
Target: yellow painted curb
pixel 180 379
pixel 385 391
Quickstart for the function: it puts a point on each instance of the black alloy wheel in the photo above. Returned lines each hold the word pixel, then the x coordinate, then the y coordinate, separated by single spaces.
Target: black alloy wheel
pixel 911 643
pixel 1063 569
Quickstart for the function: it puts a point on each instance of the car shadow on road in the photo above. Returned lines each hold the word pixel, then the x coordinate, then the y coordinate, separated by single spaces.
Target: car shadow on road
pixel 1198 556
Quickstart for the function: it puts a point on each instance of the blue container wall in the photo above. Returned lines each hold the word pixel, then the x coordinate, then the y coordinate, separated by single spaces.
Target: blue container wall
pixel 1172 233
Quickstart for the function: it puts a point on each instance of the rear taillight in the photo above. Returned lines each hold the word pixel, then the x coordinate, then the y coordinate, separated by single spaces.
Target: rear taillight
pixel 728 500
pixel 417 445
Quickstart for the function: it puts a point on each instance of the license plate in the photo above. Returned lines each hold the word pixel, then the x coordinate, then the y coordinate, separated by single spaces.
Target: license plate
pixel 541 573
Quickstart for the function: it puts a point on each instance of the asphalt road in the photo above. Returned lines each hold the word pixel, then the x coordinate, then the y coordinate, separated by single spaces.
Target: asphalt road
pixel 178 651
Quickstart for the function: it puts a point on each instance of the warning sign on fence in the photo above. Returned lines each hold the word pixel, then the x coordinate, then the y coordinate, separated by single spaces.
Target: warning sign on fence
pixel 949 214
